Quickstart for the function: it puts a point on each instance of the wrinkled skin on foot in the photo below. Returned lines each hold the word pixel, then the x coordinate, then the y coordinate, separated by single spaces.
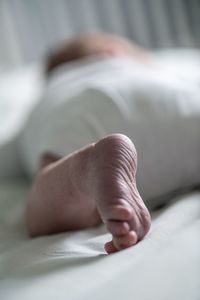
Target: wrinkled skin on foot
pixel 94 184
pixel 118 200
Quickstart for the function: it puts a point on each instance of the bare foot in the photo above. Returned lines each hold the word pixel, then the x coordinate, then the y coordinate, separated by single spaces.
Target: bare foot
pixel 92 185
pixel 118 200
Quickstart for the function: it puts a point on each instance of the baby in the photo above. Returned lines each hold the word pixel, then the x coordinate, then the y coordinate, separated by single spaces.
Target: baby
pixel 97 183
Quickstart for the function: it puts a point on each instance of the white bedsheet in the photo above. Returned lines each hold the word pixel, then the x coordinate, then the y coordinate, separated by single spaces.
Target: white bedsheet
pixel 165 265
pixel 20 90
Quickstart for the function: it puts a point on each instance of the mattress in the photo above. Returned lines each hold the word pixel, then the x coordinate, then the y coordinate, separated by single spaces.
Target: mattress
pixel 74 265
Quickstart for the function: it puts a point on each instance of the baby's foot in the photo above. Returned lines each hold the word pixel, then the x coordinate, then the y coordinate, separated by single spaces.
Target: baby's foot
pixel 118 200
pixel 94 184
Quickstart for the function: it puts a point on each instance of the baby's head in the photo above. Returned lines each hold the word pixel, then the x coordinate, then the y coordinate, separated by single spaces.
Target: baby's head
pixel 90 44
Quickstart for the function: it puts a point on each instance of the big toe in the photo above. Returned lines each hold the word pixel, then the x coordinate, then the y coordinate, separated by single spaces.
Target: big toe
pixel 121 242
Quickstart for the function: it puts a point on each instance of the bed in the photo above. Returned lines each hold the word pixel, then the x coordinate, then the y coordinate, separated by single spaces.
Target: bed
pixel 165 265
pixel 74 265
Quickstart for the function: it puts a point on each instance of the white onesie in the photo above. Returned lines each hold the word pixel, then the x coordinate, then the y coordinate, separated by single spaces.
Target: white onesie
pixel 157 110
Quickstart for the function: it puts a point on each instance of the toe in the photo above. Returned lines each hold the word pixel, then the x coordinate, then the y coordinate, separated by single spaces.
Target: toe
pixel 110 248
pixel 128 240
pixel 118 228
pixel 118 213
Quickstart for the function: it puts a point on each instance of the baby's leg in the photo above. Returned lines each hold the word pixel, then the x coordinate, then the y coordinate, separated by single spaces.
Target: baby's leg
pixel 92 185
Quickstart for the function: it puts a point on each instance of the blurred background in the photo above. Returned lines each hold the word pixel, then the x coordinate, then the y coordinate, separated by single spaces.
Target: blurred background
pixel 28 29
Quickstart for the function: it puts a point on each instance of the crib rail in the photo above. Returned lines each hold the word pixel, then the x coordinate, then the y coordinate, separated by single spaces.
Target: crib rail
pixel 28 28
